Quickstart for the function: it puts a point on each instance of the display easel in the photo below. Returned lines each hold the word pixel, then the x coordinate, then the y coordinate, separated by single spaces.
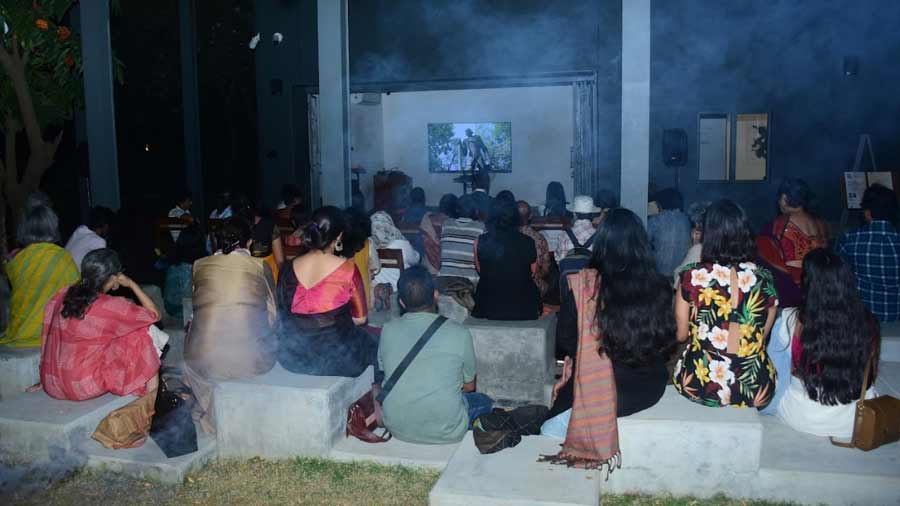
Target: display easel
pixel 865 147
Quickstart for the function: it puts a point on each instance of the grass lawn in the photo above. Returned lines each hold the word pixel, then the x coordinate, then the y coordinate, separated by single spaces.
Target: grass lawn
pixel 294 482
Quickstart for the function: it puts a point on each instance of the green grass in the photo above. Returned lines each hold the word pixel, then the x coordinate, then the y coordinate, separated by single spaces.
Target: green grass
pixel 301 482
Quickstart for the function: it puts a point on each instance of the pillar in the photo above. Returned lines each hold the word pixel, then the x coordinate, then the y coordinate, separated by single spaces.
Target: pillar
pixel 99 104
pixel 635 105
pixel 334 102
pixel 193 162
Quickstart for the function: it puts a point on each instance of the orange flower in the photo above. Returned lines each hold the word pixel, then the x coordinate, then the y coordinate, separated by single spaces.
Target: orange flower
pixel 63 33
pixel 42 24
pixel 35 6
pixel 69 60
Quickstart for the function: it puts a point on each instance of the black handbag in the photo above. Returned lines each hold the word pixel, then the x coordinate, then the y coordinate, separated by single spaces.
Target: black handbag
pixel 173 427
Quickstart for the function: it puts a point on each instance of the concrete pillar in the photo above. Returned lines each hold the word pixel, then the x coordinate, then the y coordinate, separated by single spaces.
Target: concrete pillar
pixel 635 105
pixel 99 105
pixel 334 102
pixel 193 161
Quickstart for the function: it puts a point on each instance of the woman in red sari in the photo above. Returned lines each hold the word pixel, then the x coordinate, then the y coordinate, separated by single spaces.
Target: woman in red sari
pixel 94 343
pixel 322 304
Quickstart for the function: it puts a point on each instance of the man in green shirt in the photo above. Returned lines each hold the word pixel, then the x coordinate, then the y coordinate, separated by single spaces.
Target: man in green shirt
pixel 434 402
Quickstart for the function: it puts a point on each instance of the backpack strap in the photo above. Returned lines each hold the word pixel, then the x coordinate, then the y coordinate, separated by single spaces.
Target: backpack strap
pixel 389 384
pixel 575 243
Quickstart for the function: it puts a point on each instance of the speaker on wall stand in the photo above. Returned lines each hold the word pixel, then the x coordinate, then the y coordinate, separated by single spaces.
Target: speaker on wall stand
pixel 675 150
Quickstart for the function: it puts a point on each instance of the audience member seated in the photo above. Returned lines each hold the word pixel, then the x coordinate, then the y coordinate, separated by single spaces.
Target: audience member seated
pixel 182 210
pixel 873 252
pixel 4 301
pixel 822 351
pixel 783 242
pixel 223 209
pixel 458 236
pixel 430 231
pixel 290 198
pixel 416 210
pixel 386 236
pixel 634 316
pixel 669 231
pixel 696 213
pixel 87 238
pixel 232 334
pixel 555 201
pixel 506 196
pixel 544 259
pixel 505 260
pixel 267 243
pixel 322 302
pixel 480 197
pixel 36 273
pixel 299 220
pixel 434 402
pixel 190 247
pixel 726 305
pixel 358 246
pixel 94 343
pixel 583 229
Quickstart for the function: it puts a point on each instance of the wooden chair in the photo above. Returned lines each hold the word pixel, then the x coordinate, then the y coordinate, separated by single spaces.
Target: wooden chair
pixel 162 232
pixel 391 259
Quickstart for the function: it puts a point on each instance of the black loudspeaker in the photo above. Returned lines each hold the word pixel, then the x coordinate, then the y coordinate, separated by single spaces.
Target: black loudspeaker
pixel 675 147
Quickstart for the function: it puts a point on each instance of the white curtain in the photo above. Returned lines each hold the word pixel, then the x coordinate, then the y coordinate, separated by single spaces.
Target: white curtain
pixel 315 160
pixel 584 156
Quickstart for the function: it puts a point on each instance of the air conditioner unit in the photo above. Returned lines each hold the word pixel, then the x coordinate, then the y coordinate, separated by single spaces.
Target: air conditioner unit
pixel 365 98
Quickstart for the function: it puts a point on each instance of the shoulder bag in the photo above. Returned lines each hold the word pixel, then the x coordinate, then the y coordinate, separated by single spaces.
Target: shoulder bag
pixel 364 415
pixel 877 421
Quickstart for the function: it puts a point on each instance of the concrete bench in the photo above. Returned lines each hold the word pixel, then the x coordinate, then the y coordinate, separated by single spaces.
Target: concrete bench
pixel 149 462
pixel 282 415
pixel 19 369
pixel 890 342
pixel 514 477
pixel 683 448
pixel 394 452
pixel 515 359
pixel 33 423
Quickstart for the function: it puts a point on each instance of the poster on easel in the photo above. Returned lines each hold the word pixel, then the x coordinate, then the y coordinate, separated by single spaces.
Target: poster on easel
pixel 885 179
pixel 856 183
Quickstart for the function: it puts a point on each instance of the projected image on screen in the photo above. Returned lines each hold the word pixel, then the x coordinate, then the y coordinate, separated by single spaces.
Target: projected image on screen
pixel 454 147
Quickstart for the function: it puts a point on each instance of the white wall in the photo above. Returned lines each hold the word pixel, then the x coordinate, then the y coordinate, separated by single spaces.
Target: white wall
pixel 366 144
pixel 542 135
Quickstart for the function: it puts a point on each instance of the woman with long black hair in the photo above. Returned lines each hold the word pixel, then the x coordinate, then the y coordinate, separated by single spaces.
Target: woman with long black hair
pixel 94 343
pixel 832 336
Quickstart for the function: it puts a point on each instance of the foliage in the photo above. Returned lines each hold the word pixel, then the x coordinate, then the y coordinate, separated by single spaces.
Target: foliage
pixel 440 145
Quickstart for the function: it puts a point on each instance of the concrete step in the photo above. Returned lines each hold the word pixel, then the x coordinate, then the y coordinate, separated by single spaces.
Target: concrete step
pixel 804 468
pixel 890 342
pixel 19 369
pixel 34 423
pixel 514 477
pixel 283 415
pixel 394 452
pixel 149 462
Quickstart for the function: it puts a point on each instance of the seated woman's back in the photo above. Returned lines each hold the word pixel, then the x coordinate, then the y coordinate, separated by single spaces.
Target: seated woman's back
pixel 324 283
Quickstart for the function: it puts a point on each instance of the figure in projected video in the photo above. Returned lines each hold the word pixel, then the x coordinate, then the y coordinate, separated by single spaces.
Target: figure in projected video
pixel 476 153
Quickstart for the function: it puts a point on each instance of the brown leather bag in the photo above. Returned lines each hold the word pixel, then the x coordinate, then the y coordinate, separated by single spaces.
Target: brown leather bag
pixel 128 426
pixel 877 421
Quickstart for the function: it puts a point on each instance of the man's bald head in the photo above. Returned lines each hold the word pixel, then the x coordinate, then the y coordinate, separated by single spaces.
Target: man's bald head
pixel 524 212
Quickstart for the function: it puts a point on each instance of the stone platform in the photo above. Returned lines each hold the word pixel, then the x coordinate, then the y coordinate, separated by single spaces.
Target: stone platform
pixel 33 424
pixel 515 359
pixel 890 342
pixel 282 415
pixel 149 462
pixel 514 477
pixel 394 452
pixel 19 369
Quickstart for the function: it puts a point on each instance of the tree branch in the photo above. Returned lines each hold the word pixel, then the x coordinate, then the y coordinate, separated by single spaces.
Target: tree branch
pixel 11 176
pixel 14 66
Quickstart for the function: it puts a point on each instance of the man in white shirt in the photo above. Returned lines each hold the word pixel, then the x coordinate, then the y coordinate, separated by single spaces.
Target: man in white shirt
pixel 182 210
pixel 90 237
pixel 583 228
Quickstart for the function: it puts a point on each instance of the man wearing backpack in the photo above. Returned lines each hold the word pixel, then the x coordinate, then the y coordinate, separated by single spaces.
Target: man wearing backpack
pixel 579 238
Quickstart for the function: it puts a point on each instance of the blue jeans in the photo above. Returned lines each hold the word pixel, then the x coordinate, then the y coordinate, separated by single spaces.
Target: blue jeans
pixel 779 351
pixel 477 404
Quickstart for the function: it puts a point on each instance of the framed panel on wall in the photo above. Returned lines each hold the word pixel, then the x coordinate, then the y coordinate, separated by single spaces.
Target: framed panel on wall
pixel 751 147
pixel 714 146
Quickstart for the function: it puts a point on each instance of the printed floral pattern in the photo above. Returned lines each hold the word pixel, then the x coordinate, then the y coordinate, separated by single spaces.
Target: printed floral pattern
pixel 707 374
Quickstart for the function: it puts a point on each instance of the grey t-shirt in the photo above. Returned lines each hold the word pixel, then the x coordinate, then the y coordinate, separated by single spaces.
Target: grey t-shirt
pixel 426 405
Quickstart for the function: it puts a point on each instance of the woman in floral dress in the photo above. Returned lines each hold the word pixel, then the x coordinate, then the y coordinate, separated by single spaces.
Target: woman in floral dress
pixel 727 307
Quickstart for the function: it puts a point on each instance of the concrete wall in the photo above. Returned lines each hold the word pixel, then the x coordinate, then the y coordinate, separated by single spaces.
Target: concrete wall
pixel 786 58
pixel 542 135
pixel 367 144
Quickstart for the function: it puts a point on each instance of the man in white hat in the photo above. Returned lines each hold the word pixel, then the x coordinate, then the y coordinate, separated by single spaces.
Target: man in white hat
pixel 583 228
